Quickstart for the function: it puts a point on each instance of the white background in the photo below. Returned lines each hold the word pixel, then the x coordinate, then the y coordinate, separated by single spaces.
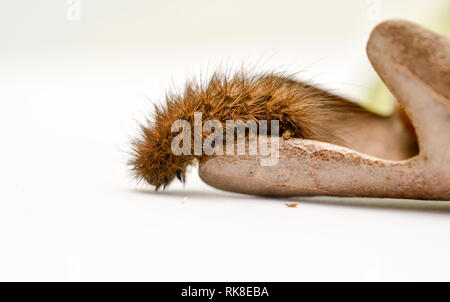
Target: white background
pixel 72 93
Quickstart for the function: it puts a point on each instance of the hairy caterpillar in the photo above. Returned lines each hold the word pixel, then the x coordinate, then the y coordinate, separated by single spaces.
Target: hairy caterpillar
pixel 303 111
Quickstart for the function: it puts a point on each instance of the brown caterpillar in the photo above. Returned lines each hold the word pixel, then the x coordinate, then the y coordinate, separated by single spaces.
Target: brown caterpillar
pixel 303 111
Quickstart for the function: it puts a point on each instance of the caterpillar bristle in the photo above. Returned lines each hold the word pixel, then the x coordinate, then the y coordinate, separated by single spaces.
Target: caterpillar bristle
pixel 302 110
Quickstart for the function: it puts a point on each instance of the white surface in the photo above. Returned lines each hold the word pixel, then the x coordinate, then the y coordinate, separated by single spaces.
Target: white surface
pixel 70 94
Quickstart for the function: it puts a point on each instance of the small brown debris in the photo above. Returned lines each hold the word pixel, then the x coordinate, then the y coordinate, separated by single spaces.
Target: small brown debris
pixel 291 205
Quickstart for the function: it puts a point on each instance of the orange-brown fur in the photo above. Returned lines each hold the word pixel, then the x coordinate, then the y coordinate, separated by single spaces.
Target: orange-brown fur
pixel 302 109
